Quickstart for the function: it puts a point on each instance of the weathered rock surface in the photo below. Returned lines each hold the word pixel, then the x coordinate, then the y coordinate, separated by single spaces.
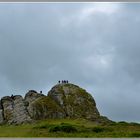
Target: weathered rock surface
pixel 14 110
pixel 45 107
pixel 32 95
pixel 30 98
pixel 75 101
pixel 63 100
pixel 1 116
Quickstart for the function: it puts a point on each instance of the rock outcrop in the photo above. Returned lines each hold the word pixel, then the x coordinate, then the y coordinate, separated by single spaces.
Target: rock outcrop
pixel 14 110
pixel 44 108
pixel 30 99
pixel 64 100
pixel 75 101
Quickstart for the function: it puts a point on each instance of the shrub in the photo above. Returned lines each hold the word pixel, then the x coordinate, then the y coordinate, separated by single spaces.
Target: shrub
pixel 113 124
pixel 134 124
pixel 54 129
pixel 98 129
pixel 123 123
pixel 135 135
pixel 63 128
pixel 68 128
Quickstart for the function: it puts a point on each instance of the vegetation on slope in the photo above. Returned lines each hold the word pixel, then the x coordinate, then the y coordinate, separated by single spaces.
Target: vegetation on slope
pixel 70 128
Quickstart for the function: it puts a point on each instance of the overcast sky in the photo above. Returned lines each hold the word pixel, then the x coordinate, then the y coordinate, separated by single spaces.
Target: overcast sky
pixel 93 45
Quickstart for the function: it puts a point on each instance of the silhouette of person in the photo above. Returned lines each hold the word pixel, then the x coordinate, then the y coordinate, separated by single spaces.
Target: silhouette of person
pixel 59 82
pixel 12 96
pixel 41 91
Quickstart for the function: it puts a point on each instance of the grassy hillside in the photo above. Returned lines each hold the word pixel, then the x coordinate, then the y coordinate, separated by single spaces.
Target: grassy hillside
pixel 70 128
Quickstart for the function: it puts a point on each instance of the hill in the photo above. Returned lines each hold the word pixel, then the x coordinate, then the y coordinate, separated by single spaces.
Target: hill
pixel 66 111
pixel 64 100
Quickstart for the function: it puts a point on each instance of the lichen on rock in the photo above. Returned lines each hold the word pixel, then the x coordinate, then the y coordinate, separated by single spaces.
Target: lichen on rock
pixel 45 107
pixel 75 101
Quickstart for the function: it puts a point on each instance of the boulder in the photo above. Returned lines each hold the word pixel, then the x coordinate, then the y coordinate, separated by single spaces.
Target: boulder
pixel 14 110
pixel 44 108
pixel 30 98
pixel 75 101
pixel 32 95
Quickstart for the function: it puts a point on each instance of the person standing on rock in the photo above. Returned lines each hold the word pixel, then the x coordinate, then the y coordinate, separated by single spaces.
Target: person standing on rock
pixel 12 96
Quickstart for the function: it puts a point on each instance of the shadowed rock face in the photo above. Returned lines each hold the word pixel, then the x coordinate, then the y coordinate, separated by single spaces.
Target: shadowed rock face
pixel 63 100
pixel 42 107
pixel 1 113
pixel 45 107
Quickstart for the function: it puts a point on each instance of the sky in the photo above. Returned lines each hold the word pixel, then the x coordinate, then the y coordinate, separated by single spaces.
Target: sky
pixel 93 45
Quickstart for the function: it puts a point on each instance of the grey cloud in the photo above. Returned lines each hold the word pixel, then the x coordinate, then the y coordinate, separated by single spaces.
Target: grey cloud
pixel 42 43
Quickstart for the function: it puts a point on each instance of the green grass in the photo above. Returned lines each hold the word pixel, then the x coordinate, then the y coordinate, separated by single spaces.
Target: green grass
pixel 71 128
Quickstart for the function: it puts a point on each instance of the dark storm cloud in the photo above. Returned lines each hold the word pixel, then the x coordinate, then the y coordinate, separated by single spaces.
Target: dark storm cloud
pixel 93 45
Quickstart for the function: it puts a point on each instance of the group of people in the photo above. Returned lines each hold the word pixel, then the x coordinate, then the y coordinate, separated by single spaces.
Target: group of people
pixel 63 82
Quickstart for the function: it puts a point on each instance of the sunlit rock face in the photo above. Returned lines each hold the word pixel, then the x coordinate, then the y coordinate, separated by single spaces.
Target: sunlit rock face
pixel 14 110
